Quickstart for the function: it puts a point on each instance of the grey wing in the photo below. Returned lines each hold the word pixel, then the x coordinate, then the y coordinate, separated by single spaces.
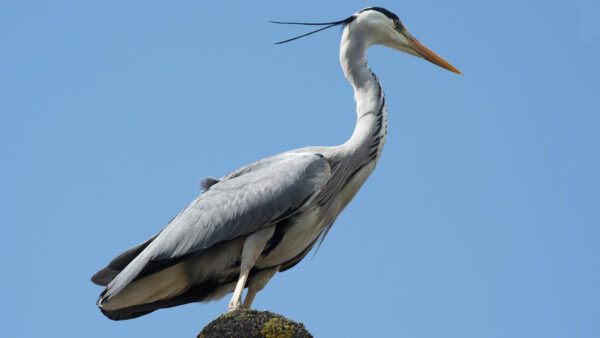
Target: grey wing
pixel 104 276
pixel 239 204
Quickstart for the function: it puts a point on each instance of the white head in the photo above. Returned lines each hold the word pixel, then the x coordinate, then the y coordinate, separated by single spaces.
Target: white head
pixel 378 26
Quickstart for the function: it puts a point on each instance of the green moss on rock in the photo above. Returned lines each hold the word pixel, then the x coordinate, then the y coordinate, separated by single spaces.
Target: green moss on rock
pixel 255 324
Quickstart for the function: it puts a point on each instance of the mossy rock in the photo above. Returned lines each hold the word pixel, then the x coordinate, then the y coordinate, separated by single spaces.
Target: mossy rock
pixel 255 324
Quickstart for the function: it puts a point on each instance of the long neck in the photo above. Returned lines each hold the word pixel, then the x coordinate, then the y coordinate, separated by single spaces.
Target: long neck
pixel 371 123
pixel 355 160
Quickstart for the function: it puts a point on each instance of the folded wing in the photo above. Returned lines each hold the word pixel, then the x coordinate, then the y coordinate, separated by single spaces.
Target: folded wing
pixel 239 204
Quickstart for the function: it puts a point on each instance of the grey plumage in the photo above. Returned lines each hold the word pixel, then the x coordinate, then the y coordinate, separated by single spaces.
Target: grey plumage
pixel 207 182
pixel 104 276
pixel 258 195
pixel 264 217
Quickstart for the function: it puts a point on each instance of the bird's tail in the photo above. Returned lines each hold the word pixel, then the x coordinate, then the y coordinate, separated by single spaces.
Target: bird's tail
pixel 107 274
pixel 166 288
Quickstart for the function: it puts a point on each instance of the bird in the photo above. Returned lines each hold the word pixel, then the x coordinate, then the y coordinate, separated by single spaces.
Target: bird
pixel 267 216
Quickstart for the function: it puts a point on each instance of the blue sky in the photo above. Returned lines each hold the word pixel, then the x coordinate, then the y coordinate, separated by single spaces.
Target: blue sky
pixel 481 219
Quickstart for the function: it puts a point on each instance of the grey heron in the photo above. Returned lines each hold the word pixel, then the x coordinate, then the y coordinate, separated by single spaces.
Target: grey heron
pixel 265 217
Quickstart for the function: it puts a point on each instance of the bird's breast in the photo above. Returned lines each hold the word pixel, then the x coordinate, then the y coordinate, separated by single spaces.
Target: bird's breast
pixel 300 233
pixel 353 185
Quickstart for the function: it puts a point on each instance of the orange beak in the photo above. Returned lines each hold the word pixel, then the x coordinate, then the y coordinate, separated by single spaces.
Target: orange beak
pixel 429 55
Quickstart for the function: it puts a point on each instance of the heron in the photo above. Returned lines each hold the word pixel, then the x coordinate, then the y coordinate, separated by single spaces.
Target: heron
pixel 267 216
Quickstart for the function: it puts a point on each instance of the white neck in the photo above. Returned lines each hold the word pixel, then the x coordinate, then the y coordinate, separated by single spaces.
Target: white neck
pixel 356 159
pixel 371 116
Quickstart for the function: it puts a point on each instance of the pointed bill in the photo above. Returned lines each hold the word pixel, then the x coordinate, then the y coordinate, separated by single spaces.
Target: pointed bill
pixel 429 55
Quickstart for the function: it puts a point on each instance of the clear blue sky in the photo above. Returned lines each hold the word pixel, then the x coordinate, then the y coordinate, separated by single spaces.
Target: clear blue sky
pixel 482 218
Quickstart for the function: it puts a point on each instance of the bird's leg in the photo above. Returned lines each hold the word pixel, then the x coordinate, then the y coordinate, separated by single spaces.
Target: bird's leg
pixel 258 282
pixel 253 247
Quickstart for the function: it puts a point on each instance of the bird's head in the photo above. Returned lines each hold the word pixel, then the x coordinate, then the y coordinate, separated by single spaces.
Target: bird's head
pixel 378 26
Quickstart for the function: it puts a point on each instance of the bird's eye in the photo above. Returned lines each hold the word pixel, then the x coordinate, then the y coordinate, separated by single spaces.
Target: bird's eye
pixel 397 23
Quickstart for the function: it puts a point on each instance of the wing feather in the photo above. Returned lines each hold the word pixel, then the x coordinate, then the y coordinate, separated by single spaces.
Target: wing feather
pixel 238 204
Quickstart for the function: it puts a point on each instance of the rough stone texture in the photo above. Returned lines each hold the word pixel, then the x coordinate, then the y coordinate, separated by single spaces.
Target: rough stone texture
pixel 252 323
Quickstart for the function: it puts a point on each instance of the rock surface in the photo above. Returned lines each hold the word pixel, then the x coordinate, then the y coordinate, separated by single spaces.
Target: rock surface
pixel 252 323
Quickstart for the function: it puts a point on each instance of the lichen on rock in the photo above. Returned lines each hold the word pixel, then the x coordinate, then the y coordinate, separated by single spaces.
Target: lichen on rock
pixel 253 324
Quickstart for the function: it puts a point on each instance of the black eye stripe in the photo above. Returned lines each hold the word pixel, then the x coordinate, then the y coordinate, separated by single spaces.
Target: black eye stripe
pixel 387 13
pixel 383 11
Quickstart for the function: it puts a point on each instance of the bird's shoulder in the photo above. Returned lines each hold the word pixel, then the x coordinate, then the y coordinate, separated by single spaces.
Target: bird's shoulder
pixel 250 198
pixel 299 159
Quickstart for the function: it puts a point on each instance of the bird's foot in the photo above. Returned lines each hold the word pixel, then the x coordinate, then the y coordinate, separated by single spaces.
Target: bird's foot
pixel 234 305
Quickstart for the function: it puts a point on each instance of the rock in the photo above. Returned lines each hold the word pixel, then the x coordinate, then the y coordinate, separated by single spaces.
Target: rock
pixel 252 323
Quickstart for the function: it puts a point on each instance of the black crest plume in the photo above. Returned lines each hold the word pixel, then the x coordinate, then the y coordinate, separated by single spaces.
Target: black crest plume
pixel 326 24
